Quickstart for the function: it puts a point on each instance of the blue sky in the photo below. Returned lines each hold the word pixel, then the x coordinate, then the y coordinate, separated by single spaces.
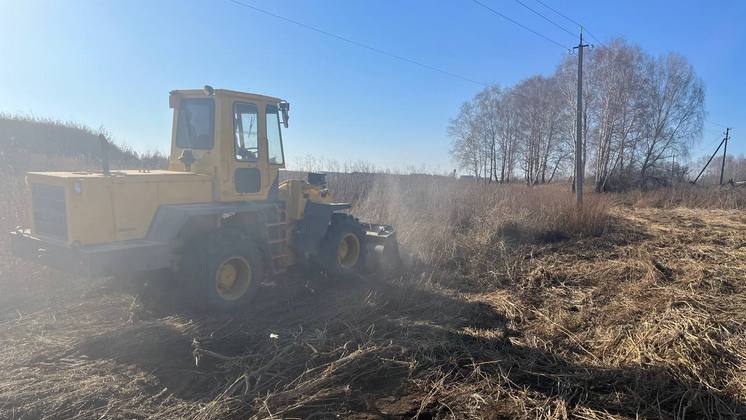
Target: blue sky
pixel 112 63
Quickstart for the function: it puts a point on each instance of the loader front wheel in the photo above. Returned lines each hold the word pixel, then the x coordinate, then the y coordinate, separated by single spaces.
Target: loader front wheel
pixel 233 278
pixel 227 272
pixel 343 246
pixel 348 251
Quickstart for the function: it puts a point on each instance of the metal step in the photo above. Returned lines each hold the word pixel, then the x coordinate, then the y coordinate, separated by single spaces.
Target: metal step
pixel 279 223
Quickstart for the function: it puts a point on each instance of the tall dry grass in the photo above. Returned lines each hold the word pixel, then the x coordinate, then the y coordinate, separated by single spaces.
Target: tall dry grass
pixel 33 143
pixel 688 196
pixel 446 222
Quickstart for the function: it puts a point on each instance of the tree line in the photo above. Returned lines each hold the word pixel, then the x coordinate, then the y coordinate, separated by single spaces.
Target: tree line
pixel 641 114
pixel 733 170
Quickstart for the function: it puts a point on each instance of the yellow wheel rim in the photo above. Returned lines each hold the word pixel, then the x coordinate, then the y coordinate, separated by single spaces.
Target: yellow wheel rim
pixel 233 278
pixel 348 251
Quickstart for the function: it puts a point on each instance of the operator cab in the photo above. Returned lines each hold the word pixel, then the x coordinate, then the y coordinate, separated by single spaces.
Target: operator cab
pixel 234 136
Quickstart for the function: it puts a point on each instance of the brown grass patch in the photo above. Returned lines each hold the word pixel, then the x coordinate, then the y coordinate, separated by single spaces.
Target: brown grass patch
pixel 690 196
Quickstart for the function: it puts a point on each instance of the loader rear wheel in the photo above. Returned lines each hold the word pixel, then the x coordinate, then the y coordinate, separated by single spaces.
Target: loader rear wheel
pixel 343 247
pixel 227 269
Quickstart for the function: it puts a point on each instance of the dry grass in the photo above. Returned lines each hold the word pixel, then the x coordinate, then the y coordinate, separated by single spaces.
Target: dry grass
pixel 441 220
pixel 31 143
pixel 517 305
pixel 689 196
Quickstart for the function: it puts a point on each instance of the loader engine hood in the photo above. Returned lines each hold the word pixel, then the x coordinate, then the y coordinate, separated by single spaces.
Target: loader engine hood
pixel 91 208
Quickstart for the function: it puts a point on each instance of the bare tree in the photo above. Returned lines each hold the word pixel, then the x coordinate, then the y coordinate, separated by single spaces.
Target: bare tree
pixel 618 111
pixel 639 112
pixel 487 104
pixel 466 146
pixel 508 135
pixel 674 110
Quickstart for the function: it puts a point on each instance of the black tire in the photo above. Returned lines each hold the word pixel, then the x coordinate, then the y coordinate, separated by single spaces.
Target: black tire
pixel 342 230
pixel 208 258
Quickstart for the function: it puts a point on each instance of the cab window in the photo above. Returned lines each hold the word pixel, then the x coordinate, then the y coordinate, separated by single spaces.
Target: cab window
pixel 195 124
pixel 245 128
pixel 274 138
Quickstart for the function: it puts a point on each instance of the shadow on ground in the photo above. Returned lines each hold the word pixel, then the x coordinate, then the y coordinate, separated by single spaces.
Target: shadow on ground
pixel 374 349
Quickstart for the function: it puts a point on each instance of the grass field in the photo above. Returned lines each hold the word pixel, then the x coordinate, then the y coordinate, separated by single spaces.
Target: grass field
pixel 513 304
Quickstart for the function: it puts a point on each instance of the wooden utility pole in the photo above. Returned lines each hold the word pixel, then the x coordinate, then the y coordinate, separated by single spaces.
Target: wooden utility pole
pixel 579 167
pixel 673 165
pixel 725 151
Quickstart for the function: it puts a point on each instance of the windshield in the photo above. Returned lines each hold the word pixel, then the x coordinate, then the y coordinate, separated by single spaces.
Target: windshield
pixel 194 128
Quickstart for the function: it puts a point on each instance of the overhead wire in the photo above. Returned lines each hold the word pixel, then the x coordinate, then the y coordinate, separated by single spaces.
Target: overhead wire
pixel 519 24
pixel 707 146
pixel 717 124
pixel 713 132
pixel 583 27
pixel 358 43
pixel 436 69
pixel 719 138
pixel 536 12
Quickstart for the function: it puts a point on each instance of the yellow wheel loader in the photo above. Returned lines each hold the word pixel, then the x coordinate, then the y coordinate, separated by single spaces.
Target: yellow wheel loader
pixel 219 217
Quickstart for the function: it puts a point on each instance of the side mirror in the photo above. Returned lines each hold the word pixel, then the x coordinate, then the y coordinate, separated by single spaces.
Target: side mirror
pixel 285 109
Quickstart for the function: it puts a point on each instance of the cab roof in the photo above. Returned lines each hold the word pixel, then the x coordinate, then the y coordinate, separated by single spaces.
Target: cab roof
pixel 235 93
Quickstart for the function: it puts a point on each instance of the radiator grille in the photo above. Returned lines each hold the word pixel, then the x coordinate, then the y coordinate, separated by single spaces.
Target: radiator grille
pixel 50 215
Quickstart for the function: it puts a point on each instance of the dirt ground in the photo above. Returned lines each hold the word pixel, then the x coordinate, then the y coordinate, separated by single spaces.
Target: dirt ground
pixel 647 320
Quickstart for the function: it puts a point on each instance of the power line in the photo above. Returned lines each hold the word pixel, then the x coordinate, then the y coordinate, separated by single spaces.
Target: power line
pixel 714 123
pixel 545 18
pixel 357 43
pixel 717 139
pixel 707 145
pixel 570 19
pixel 713 132
pixel 519 24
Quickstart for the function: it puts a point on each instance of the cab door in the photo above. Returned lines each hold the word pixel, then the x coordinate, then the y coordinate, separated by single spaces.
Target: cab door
pixel 273 139
pixel 248 167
